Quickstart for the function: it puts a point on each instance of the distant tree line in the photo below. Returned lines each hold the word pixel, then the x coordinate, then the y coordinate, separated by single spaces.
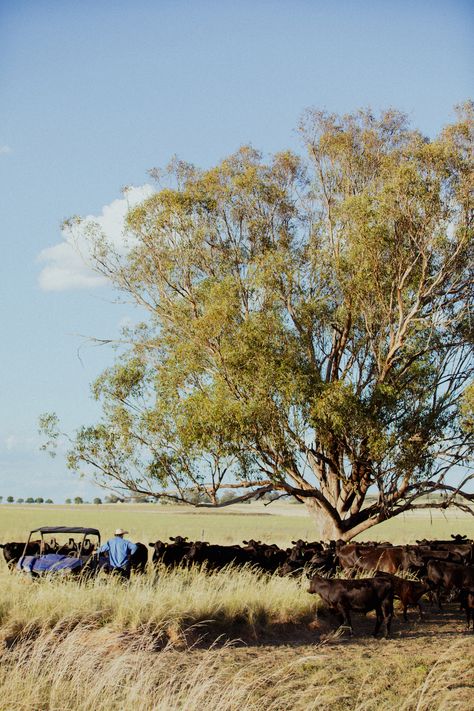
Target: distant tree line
pixel 29 500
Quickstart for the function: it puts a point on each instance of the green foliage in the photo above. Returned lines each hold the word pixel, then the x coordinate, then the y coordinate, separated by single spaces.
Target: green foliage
pixel 467 409
pixel 48 424
pixel 308 324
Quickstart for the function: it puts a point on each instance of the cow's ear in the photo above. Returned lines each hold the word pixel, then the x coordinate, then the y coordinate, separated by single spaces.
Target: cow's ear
pixel 152 545
pixel 2 545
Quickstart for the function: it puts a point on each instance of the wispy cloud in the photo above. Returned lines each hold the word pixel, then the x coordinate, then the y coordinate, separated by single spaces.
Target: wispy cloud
pixel 67 264
pixel 19 443
pixel 4 149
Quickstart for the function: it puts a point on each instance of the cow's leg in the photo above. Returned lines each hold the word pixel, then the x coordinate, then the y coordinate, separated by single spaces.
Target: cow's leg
pixel 405 608
pixel 420 609
pixel 380 616
pixel 387 610
pixel 346 618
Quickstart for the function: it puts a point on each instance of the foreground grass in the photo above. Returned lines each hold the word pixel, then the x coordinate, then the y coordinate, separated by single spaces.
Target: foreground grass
pixel 96 670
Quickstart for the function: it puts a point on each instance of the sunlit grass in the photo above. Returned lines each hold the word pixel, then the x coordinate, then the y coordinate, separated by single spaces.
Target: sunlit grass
pixel 177 599
pixel 277 523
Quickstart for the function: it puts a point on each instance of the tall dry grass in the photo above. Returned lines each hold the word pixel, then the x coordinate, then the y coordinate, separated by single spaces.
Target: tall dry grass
pixel 173 600
pixel 97 670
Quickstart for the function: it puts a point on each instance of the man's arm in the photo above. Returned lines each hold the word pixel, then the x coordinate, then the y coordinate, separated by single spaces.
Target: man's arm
pixel 104 548
pixel 132 547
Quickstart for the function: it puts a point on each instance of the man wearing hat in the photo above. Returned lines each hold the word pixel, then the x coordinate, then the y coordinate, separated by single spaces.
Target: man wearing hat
pixel 119 550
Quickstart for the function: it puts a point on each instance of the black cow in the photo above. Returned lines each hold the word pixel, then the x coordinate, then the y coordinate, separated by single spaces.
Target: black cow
pixel 459 550
pixel 266 556
pixel 13 551
pixel 321 562
pixel 216 557
pixel 170 554
pixel 139 559
pixel 442 575
pixel 466 598
pixel 361 595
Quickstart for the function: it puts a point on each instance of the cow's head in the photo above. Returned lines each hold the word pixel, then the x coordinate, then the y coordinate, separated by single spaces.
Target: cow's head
pixel 415 559
pixel 315 583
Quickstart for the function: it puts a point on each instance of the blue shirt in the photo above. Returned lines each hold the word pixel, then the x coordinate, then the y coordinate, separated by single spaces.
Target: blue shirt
pixel 119 550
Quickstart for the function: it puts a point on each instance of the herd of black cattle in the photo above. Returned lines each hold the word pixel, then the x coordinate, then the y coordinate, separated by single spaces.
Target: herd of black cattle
pixel 443 570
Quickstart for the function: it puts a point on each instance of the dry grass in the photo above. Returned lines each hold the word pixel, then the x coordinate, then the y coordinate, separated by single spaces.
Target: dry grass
pixel 168 600
pixel 277 523
pixel 87 669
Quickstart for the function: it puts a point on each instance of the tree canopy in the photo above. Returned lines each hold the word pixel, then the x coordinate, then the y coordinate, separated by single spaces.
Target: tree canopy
pixel 308 326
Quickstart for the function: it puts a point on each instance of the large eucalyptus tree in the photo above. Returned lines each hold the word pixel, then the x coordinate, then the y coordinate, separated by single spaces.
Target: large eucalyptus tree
pixel 308 327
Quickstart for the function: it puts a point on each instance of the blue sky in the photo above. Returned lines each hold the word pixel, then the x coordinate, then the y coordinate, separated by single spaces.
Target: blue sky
pixel 92 94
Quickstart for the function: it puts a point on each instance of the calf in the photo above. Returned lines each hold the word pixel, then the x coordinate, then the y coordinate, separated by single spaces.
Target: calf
pixel 362 595
pixel 409 592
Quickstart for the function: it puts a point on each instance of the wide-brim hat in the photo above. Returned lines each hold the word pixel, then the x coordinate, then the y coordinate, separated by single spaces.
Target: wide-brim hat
pixel 120 531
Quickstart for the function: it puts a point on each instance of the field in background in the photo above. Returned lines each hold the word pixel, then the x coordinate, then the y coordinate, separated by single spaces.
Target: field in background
pixel 277 523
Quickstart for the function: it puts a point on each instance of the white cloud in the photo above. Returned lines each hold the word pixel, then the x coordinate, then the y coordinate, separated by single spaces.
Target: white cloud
pixel 67 263
pixel 19 443
pixel 4 149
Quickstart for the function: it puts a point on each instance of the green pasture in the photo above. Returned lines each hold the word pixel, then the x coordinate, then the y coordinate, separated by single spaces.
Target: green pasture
pixel 278 523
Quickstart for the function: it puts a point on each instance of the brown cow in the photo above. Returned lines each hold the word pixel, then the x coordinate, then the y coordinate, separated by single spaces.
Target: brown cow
pixel 409 592
pixel 386 559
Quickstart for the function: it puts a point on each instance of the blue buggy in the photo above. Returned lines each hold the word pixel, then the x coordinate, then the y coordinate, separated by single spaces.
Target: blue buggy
pixel 75 557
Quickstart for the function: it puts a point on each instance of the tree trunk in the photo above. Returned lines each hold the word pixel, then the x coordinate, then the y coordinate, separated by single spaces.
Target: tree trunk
pixel 326 527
